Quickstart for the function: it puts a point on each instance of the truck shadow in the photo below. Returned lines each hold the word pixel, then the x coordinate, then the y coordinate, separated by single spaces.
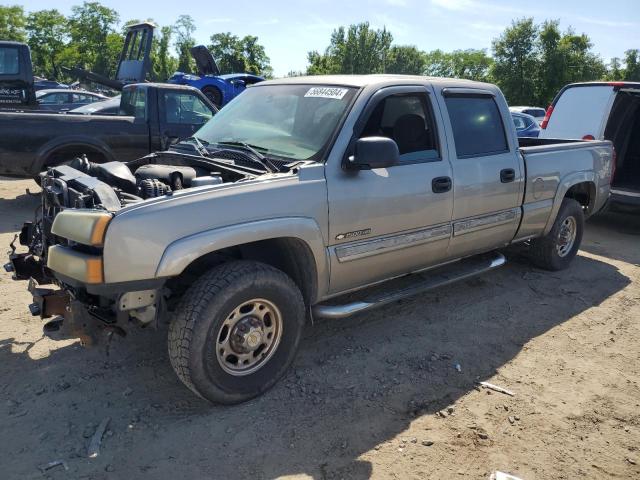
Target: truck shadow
pixel 625 227
pixel 356 384
pixel 15 211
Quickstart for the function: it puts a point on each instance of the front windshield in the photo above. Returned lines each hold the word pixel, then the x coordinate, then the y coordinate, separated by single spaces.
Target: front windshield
pixel 293 121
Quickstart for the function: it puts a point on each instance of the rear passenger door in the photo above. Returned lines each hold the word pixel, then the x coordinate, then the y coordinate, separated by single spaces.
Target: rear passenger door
pixel 487 174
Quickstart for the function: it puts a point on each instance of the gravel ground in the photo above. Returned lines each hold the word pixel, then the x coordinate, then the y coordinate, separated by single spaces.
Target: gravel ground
pixel 374 396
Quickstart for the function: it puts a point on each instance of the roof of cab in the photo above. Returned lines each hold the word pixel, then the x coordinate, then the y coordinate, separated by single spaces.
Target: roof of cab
pixel 360 81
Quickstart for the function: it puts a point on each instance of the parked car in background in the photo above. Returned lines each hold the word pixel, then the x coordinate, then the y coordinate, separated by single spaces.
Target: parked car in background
pixel 106 107
pixel 526 125
pixel 220 89
pixel 535 112
pixel 40 83
pixel 63 100
pixel 603 111
pixel 151 117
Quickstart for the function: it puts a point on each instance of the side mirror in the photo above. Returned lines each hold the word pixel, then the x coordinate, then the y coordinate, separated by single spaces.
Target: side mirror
pixel 373 152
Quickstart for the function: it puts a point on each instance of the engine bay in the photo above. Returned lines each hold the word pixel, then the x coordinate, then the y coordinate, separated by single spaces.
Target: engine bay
pixel 114 185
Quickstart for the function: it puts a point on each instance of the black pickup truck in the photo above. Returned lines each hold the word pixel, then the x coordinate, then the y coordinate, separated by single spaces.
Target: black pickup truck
pixel 16 75
pixel 152 117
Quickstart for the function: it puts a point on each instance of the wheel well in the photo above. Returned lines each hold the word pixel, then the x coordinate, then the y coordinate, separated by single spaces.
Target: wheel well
pixel 69 152
pixel 584 193
pixel 288 254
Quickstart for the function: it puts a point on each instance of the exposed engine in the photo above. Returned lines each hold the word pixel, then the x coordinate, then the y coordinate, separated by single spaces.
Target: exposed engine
pixel 115 185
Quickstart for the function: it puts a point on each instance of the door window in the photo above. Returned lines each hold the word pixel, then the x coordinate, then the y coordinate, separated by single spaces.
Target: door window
pixel 477 126
pixel 185 108
pixel 54 99
pixel 405 118
pixel 9 61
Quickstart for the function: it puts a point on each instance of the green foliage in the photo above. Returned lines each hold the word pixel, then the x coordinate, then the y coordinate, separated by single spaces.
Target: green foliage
pixel 358 49
pixel 405 59
pixel 46 32
pixel 163 64
pixel 515 61
pixel 12 22
pixel 615 70
pixel 470 64
pixel 532 62
pixel 632 61
pixel 91 26
pixel 184 29
pixel 234 54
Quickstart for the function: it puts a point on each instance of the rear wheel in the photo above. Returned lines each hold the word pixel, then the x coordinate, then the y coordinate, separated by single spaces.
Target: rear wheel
pixel 236 331
pixel 556 250
pixel 214 95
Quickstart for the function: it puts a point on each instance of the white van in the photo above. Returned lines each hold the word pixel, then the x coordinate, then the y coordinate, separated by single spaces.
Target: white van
pixel 597 111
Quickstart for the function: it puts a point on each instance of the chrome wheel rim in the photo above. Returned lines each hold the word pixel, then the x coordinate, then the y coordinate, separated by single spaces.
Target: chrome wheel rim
pixel 566 236
pixel 248 337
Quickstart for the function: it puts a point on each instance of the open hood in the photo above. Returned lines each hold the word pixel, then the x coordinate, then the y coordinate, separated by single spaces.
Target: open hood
pixel 204 61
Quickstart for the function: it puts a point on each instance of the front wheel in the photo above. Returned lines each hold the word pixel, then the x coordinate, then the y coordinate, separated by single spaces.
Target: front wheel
pixel 556 250
pixel 236 331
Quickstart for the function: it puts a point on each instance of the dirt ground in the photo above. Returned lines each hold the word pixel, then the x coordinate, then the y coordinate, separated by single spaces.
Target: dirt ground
pixel 374 396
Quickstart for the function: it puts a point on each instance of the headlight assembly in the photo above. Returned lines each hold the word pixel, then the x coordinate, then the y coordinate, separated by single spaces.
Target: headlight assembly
pixel 83 226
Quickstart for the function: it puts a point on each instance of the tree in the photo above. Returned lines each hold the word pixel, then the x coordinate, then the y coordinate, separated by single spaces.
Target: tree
pixel 471 64
pixel 615 70
pixel 233 54
pixel 256 59
pixel 632 68
pixel 405 59
pixel 184 29
pixel 12 23
pixel 515 61
pixel 46 33
pixel 356 50
pixel 161 60
pixel 91 27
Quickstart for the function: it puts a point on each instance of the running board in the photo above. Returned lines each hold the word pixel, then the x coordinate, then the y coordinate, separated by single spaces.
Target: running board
pixel 445 275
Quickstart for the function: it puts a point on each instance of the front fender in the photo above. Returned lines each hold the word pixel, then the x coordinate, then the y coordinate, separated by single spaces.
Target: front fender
pixel 179 254
pixel 563 187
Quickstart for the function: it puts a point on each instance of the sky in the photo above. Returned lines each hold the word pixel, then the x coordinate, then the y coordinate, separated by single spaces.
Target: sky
pixel 288 29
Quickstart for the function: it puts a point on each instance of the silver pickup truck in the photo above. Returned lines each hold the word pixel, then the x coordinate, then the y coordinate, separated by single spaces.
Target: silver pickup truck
pixel 304 198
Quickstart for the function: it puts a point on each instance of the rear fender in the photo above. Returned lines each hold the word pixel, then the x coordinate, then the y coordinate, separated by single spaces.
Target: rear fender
pixel 563 187
pixel 73 141
pixel 179 254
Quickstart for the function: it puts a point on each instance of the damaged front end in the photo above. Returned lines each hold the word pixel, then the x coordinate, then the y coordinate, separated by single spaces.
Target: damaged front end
pixel 64 258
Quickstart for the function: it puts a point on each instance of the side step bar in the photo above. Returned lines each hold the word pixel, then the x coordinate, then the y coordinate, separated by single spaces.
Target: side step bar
pixel 425 281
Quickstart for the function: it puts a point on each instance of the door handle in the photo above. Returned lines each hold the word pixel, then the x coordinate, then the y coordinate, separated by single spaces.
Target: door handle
pixel 441 184
pixel 507 175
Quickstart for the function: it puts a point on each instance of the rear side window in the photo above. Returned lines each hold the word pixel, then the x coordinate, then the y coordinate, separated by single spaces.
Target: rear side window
pixel 9 61
pixel 534 112
pixel 477 126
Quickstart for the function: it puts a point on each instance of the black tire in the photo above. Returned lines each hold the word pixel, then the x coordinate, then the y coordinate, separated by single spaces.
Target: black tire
pixel 214 95
pixel 201 316
pixel 545 251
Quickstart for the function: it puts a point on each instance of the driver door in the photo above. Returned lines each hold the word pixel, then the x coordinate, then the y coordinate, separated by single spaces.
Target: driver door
pixel 389 221
pixel 182 113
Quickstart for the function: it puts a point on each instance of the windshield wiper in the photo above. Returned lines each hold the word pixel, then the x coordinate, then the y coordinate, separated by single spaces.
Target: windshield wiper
pixel 201 145
pixel 264 161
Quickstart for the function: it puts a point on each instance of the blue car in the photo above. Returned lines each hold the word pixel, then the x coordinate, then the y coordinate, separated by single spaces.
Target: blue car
pixel 526 125
pixel 220 89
